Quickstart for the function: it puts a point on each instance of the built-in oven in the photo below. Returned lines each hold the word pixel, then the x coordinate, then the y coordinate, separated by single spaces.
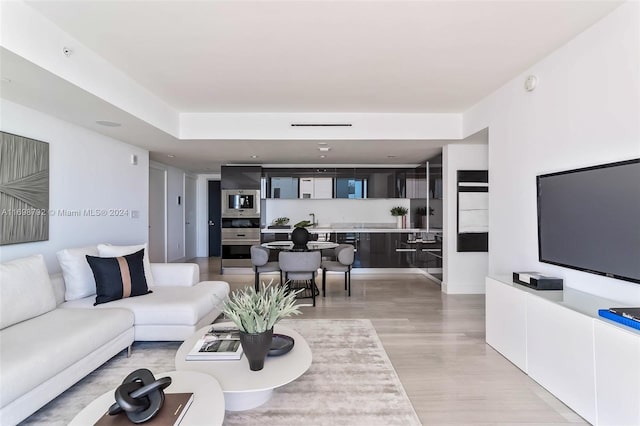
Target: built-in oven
pixel 240 203
pixel 238 235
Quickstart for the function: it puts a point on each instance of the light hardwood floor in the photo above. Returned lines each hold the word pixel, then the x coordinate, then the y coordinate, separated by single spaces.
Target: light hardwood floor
pixel 436 343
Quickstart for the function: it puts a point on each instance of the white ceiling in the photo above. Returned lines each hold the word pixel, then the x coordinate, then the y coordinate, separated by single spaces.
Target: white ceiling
pixel 304 56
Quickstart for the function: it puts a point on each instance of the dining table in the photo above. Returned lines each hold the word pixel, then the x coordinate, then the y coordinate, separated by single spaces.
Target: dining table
pixel 311 245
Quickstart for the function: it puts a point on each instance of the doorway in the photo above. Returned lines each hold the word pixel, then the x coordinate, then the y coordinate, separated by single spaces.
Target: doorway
pixel 190 234
pixel 215 226
pixel 157 215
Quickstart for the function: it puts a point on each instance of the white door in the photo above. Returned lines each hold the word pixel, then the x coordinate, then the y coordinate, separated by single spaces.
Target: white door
pixel 190 235
pixel 157 215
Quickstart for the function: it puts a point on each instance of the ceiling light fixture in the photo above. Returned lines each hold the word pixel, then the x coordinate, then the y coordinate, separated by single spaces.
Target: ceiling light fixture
pixel 321 124
pixel 391 156
pixel 107 123
pixel 323 156
pixel 323 143
pixel 254 156
pixel 171 156
pixel 324 148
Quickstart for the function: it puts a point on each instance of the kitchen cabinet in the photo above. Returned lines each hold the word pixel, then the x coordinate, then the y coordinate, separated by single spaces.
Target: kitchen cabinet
pixel 284 187
pixel 347 182
pixel 240 177
pixel 316 187
pixel 385 249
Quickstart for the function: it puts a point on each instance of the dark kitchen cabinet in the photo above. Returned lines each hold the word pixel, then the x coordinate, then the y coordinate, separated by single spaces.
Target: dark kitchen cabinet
pixel 240 177
pixel 385 249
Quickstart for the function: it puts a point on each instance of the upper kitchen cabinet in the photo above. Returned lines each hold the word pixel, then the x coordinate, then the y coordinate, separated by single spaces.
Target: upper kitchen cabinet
pixel 385 183
pixel 416 183
pixel 316 187
pixel 284 187
pixel 240 177
pixel 350 184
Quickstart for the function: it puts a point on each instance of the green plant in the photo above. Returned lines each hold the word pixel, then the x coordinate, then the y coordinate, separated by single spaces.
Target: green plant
pixel 281 221
pixel 302 224
pixel 257 312
pixel 399 211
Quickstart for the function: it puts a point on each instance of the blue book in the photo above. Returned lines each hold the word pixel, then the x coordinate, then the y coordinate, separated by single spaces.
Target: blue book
pixel 605 313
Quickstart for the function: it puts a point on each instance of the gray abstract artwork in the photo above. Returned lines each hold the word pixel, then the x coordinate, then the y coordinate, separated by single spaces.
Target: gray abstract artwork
pixel 24 189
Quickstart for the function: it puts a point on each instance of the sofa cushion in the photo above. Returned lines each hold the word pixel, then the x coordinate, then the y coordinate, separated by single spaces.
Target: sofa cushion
pixel 118 277
pixel 78 277
pixel 36 350
pixel 107 250
pixel 25 290
pixel 168 305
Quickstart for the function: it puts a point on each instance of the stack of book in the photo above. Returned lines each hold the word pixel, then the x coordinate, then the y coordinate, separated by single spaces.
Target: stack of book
pixel 627 316
pixel 218 344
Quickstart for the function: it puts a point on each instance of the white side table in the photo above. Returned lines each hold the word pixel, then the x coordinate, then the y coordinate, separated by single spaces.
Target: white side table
pixel 207 406
pixel 245 389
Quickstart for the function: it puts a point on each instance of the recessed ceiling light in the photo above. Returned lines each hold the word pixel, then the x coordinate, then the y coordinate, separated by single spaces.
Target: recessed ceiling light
pixel 323 156
pixel 107 123
pixel 324 148
pixel 254 156
pixel 323 143
pixel 171 156
pixel 391 156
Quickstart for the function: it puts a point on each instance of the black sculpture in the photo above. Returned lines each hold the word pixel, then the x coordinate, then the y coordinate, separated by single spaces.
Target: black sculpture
pixel 300 238
pixel 140 396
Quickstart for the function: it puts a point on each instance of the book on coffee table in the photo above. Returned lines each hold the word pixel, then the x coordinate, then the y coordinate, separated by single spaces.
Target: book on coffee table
pixel 217 344
pixel 173 409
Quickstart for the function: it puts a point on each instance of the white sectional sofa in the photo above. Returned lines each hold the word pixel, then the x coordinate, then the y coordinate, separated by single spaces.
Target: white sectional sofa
pixel 48 343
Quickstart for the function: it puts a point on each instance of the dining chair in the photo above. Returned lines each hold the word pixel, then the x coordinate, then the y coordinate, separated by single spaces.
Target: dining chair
pixel 260 262
pixel 344 255
pixel 301 266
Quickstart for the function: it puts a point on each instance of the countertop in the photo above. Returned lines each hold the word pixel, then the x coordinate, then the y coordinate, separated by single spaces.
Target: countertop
pixel 348 227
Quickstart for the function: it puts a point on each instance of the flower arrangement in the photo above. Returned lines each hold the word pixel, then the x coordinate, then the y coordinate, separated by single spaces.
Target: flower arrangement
pixel 257 312
pixel 399 211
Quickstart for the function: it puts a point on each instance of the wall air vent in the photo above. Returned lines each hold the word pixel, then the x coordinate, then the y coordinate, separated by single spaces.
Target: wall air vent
pixel 321 124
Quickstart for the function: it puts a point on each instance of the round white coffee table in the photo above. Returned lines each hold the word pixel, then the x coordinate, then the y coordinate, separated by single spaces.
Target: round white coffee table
pixel 245 389
pixel 207 406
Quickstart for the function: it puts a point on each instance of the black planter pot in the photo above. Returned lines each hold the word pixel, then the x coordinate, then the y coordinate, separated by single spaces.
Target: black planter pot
pixel 255 347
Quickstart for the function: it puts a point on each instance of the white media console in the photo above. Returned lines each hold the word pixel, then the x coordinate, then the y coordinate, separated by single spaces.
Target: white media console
pixel 557 338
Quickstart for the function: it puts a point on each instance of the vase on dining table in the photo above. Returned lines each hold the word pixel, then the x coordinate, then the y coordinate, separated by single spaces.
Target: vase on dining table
pixel 300 238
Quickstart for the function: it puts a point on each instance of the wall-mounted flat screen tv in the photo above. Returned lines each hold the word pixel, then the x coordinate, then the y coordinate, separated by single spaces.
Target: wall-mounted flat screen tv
pixel 589 219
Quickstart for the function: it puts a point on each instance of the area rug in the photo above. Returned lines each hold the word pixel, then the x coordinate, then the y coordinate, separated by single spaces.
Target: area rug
pixel 350 382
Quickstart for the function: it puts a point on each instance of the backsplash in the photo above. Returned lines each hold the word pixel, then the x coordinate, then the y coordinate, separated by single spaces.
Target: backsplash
pixel 333 211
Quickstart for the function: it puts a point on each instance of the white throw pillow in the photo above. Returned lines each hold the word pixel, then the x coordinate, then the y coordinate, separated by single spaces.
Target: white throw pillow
pixel 107 250
pixel 78 277
pixel 26 291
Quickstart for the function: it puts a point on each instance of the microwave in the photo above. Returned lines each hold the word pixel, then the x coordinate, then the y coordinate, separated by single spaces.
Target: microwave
pixel 241 202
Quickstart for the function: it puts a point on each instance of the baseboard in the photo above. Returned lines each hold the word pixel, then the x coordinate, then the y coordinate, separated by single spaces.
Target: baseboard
pixel 462 289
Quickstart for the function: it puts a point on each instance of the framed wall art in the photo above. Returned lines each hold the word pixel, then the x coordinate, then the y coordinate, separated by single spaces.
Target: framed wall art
pixel 24 189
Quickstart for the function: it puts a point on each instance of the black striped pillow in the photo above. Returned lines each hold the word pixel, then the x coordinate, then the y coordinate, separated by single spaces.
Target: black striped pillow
pixel 118 277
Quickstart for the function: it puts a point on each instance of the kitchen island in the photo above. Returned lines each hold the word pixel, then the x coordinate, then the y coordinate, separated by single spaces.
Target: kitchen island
pixel 377 245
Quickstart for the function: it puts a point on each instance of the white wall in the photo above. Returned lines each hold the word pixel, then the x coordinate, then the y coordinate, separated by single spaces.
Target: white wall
pixel 334 210
pixel 87 171
pixel 585 111
pixel 463 273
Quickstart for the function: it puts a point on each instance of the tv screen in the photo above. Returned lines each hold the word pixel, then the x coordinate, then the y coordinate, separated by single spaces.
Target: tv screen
pixel 589 219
